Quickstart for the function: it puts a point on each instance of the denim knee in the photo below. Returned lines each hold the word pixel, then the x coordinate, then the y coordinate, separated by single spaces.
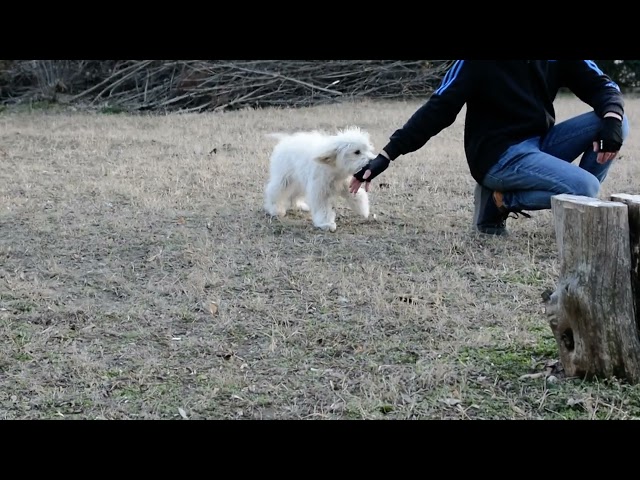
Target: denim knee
pixel 588 185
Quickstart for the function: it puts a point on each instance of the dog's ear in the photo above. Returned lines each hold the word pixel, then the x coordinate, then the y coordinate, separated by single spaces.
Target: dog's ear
pixel 328 156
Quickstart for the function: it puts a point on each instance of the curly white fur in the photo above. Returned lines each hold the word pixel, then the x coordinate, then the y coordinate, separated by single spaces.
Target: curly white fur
pixel 311 170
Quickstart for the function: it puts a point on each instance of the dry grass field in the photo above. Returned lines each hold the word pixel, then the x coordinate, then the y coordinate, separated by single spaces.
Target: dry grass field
pixel 140 279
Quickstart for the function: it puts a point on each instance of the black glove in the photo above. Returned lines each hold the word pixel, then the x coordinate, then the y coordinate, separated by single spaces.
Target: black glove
pixel 377 166
pixel 610 139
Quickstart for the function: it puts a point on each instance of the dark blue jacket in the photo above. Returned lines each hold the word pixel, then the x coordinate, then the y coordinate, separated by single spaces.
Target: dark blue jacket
pixel 507 102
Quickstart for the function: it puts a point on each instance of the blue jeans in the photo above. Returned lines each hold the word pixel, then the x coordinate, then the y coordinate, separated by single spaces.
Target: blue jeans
pixel 531 172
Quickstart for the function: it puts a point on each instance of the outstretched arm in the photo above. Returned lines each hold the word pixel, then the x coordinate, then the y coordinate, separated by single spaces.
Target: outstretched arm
pixel 439 112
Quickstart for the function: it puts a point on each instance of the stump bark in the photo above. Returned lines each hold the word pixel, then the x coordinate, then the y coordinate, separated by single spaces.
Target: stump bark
pixel 592 312
pixel 633 205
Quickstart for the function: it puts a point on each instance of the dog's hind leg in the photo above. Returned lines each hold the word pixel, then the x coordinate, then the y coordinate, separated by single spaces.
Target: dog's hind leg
pixel 277 197
pixel 296 199
pixel 359 202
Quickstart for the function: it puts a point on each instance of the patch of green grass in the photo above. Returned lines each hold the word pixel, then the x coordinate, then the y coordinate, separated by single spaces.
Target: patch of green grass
pixel 41 105
pixel 353 412
pixel 112 110
pixel 129 392
pixel 262 400
pixel 188 316
pixel 35 107
pixel 402 357
pixel 113 373
pixel 495 386
pixel 512 361
pixel 23 357
pixel 535 326
pixel 532 277
pixel 22 306
pixel 57 408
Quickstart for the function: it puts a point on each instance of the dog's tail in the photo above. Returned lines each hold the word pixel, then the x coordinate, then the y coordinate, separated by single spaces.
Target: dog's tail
pixel 277 135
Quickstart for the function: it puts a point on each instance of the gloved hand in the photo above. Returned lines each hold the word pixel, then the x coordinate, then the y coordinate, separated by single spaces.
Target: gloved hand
pixel 610 136
pixel 376 166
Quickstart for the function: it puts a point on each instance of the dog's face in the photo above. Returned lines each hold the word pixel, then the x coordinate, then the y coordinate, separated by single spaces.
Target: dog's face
pixel 348 151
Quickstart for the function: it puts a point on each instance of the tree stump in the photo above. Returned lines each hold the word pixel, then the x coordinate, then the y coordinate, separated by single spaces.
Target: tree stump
pixel 633 204
pixel 592 312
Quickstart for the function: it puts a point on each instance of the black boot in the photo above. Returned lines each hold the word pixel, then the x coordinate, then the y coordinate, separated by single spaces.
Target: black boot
pixel 489 217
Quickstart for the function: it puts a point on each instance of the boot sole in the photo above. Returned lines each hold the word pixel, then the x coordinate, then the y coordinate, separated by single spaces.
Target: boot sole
pixel 492 230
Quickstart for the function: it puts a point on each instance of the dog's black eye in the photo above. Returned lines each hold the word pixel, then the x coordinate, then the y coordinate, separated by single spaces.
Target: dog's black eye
pixel 357 152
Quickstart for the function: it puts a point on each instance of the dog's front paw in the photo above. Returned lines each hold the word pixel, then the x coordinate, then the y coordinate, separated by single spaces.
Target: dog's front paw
pixel 328 227
pixel 275 211
pixel 302 206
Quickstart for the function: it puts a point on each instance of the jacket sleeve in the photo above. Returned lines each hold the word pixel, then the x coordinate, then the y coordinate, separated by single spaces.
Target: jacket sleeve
pixel 439 112
pixel 591 85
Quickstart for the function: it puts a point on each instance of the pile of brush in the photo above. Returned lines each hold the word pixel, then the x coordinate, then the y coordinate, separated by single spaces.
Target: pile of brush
pixel 201 85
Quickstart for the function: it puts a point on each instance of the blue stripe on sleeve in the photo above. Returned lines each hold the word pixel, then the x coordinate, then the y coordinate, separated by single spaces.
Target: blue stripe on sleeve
pixel 450 77
pixel 592 65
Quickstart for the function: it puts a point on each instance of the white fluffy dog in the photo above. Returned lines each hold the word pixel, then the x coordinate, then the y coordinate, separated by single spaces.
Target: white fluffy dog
pixel 311 170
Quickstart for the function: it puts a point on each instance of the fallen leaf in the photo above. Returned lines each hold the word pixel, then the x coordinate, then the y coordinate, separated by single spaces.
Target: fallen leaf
pixel 452 402
pixel 213 308
pixel 182 413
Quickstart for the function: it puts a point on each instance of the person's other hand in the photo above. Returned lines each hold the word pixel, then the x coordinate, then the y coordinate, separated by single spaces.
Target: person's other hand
pixel 610 139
